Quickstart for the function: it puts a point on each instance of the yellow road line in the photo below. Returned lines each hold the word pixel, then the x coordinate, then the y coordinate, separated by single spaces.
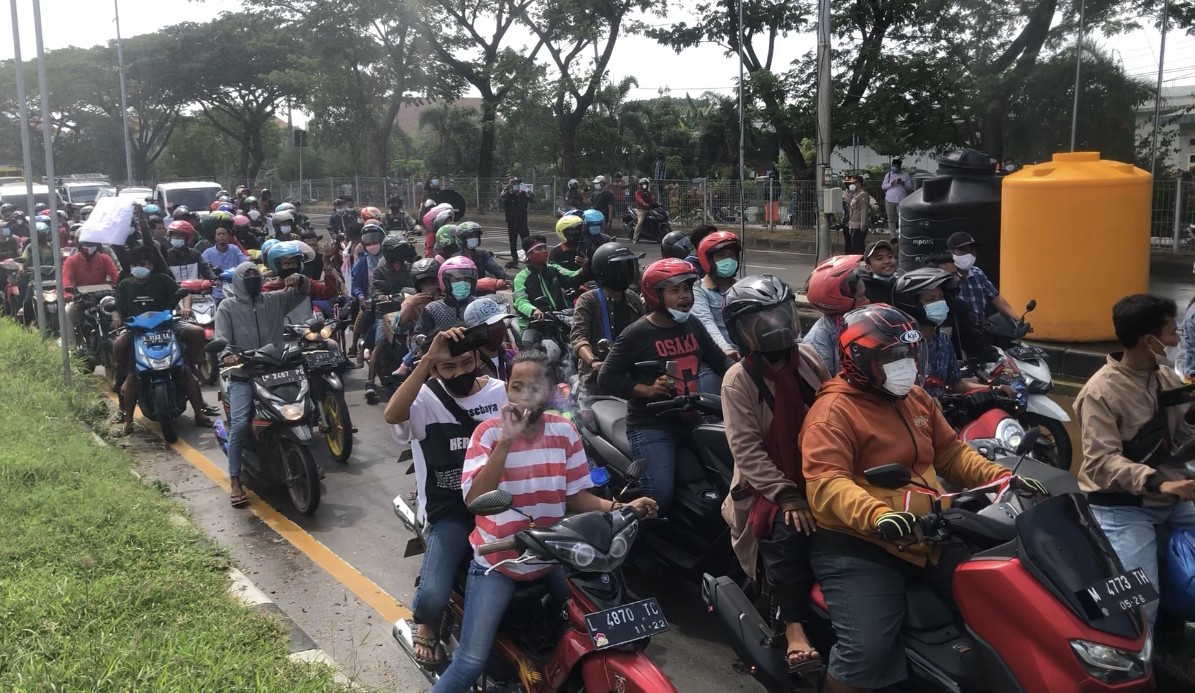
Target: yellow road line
pixel 366 590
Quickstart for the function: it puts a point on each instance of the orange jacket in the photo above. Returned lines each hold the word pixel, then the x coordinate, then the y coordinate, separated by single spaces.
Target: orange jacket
pixel 849 430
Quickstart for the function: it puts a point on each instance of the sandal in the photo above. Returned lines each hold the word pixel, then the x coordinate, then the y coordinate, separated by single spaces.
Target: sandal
pixel 809 661
pixel 239 500
pixel 432 644
pixel 209 410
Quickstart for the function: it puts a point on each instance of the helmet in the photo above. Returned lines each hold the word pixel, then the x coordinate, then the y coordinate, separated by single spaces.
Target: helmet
pixel 42 228
pixel 6 209
pixel 371 214
pixel 872 336
pixel 437 216
pixel 253 215
pixel 714 243
pixel 568 225
pixel 225 207
pixel 221 194
pixel 223 219
pixel 676 244
pixel 434 184
pixel 283 218
pixel 62 214
pixel 761 314
pixel 446 235
pixel 661 274
pixel 374 231
pixel 644 181
pixel 595 221
pixel 250 200
pixel 40 207
pixel 265 192
pixel 614 266
pixel 459 267
pixel 573 183
pixel 832 284
pixel 466 230
pixel 42 219
pixel 281 251
pixel 267 245
pixel 183 227
pixel 240 220
pixel 284 207
pixel 85 213
pixel 910 285
pixel 395 248
pixel 424 269
pixel 181 212
pixel 600 180
pixel 148 209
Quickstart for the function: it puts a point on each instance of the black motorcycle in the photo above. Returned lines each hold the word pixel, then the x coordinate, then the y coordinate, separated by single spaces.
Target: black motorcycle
pixel 656 225
pixel 95 305
pixel 323 367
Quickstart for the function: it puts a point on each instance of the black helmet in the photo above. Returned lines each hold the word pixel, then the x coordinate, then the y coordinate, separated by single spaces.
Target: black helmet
pixel 615 266
pixel 395 248
pixel 910 285
pixel 6 209
pixel 181 212
pixel 872 337
pixel 676 244
pixel 425 269
pixel 761 314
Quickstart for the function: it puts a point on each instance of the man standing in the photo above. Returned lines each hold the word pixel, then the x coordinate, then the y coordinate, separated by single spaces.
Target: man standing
pixel 897 186
pixel 856 203
pixel 974 286
pixel 603 200
pixel 515 201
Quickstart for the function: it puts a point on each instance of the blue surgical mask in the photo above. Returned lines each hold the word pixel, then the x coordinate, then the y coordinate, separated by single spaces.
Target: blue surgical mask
pixel 140 272
pixel 678 315
pixel 177 243
pixel 895 169
pixel 727 267
pixel 595 230
pixel 7 232
pixel 937 311
pixel 473 242
pixel 461 290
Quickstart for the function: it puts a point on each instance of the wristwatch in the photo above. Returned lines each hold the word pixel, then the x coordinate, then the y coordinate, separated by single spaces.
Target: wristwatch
pixel 1153 482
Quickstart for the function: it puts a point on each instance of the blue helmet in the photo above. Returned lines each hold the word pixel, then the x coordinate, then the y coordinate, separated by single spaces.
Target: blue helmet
pixel 280 251
pixel 225 207
pixel 284 207
pixel 151 209
pixel 266 246
pixel 595 221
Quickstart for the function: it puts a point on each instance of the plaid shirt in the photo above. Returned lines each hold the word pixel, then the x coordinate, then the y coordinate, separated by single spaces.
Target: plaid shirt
pixel 937 363
pixel 977 290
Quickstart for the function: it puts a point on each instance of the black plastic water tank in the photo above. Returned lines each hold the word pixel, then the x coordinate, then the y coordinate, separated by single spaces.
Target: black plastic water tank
pixel 963 196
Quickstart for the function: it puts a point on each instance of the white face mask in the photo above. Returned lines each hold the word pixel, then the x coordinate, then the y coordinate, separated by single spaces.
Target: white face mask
pixel 964 262
pixel 1169 355
pixel 851 187
pixel 899 376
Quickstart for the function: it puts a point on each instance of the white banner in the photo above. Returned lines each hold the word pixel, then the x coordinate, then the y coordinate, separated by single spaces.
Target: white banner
pixel 110 222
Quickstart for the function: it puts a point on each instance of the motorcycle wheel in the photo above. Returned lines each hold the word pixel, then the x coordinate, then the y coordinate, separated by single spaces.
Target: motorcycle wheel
pixel 1053 431
pixel 209 370
pixel 164 410
pixel 302 476
pixel 339 435
pixel 110 373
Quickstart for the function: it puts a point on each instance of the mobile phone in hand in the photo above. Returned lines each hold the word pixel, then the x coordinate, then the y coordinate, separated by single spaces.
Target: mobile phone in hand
pixel 474 338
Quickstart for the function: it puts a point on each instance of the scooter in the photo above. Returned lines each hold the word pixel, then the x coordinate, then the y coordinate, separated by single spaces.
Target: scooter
pixel 986 420
pixel 656 224
pixel 158 360
pixel 203 314
pixel 1080 627
pixel 278 447
pixel 324 367
pixel 1026 369
pixel 595 641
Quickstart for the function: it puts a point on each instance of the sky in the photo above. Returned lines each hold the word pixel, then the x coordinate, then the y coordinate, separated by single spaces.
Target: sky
pixel 695 70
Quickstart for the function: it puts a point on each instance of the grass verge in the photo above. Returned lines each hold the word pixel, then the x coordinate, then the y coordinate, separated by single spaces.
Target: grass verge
pixel 99 590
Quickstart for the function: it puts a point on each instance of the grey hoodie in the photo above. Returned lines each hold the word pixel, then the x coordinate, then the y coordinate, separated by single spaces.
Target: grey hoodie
pixel 249 324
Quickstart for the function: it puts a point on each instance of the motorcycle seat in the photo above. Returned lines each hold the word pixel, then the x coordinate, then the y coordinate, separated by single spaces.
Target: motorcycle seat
pixel 611 418
pixel 924 610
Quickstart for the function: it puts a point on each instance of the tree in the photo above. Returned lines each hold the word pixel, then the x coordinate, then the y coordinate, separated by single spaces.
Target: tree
pixel 450 138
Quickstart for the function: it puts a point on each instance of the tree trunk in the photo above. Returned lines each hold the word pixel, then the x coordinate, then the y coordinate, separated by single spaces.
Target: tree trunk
pixel 258 152
pixel 243 168
pixel 568 144
pixel 489 127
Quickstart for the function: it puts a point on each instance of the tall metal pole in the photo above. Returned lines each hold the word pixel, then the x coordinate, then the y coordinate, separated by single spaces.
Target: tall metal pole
pixel 822 172
pixel 65 337
pixel 124 100
pixel 742 148
pixel 1153 150
pixel 1078 71
pixel 27 153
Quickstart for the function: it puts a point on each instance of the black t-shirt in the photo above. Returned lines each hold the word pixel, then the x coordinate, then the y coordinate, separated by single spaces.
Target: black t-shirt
pixel 602 202
pixel 159 293
pixel 687 343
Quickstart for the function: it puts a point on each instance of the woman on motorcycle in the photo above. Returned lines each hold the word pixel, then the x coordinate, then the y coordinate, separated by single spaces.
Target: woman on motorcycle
pixel 718 255
pixel 765 397
pixel 537 456
pixel 835 287
pixel 667 336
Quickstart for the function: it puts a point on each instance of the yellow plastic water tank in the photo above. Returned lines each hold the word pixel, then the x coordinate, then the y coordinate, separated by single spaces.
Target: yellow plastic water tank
pixel 1074 236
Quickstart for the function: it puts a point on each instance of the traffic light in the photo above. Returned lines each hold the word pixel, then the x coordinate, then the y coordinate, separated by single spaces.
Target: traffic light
pixel 300 138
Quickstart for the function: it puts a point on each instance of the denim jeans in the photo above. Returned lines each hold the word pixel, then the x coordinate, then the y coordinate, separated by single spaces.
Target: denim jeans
pixel 240 418
pixel 657 447
pixel 1131 531
pixel 446 547
pixel 709 382
pixel 486 599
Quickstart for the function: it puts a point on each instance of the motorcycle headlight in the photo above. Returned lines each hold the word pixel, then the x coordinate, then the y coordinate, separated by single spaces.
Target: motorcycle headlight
pixel 578 553
pixel 292 412
pixel 1010 433
pixel 326 332
pixel 49 296
pixel 1111 664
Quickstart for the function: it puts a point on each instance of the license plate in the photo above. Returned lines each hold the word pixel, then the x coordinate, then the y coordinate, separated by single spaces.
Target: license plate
pixel 280 378
pixel 324 359
pixel 1027 353
pixel 1126 591
pixel 626 623
pixel 157 338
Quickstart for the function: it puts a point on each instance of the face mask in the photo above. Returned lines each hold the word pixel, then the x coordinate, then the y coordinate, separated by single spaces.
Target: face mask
pixel 899 377
pixel 461 384
pixel 678 315
pixel 90 249
pixel 177 243
pixel 882 278
pixel 895 169
pixel 937 311
pixel 473 243
pixel 140 272
pixel 461 290
pixel 595 230
pixel 253 286
pixel 851 187
pixel 727 267
pixel 285 272
pixel 373 248
pixel 644 186
pixel 964 262
pixel 284 230
pixel 1169 354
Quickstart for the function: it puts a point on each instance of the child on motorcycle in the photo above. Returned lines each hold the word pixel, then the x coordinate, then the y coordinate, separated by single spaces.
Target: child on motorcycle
pixel 496 355
pixel 436 410
pixel 835 287
pixel 665 334
pixel 541 283
pixel 537 456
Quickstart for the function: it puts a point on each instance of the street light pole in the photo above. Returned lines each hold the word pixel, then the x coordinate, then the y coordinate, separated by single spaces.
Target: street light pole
pixel 822 171
pixel 742 148
pixel 1078 71
pixel 27 153
pixel 124 100
pixel 1153 150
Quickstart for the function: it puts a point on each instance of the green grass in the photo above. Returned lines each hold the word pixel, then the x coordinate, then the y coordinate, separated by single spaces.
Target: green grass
pixel 99 591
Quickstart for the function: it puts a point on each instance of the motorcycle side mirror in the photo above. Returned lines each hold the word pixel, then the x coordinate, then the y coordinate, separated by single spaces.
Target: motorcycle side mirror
pixel 635 469
pixel 1031 305
pixel 602 348
pixel 653 366
pixel 890 476
pixel 216 346
pixel 1028 442
pixel 491 503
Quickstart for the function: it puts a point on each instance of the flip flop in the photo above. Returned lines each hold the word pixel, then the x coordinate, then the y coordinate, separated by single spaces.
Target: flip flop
pixel 239 500
pixel 210 410
pixel 433 645
pixel 803 666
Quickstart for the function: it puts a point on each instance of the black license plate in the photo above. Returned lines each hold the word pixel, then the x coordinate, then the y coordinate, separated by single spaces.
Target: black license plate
pixel 1126 591
pixel 157 338
pixel 280 378
pixel 324 359
pixel 626 623
pixel 1027 353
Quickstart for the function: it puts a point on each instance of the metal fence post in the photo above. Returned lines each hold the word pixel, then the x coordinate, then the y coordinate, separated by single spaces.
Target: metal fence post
pixel 386 189
pixel 1178 212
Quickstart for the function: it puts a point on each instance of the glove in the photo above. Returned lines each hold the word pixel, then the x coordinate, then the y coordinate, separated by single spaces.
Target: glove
pixel 894 525
pixel 1023 484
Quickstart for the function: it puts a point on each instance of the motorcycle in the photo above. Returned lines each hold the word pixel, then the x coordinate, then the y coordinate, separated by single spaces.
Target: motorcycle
pixel 44 280
pixel 158 363
pixel 1081 626
pixel 595 641
pixel 656 225
pixel 12 288
pixel 324 367
pixel 278 447
pixel 95 305
pixel 203 314
pixel 695 538
pixel 1027 370
pixel 986 420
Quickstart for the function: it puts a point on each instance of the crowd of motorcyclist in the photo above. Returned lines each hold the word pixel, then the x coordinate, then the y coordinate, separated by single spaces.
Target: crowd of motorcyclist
pixel 805 416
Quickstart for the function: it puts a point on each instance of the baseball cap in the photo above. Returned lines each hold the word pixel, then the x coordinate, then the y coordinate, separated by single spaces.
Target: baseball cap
pixel 878 245
pixel 485 310
pixel 959 239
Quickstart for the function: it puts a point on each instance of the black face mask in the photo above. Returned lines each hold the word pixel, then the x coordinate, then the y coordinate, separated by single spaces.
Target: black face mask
pixel 775 356
pixel 461 385
pixel 253 286
pixel 284 272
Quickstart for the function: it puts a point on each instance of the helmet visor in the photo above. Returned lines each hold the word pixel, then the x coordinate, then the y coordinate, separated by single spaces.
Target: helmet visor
pixel 775 328
pixel 620 273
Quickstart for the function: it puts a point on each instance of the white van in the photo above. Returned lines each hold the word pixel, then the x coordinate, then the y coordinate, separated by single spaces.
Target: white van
pixel 195 195
pixel 16 195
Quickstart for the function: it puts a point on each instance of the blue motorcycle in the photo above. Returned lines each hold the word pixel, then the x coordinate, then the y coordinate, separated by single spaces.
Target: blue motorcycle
pixel 158 358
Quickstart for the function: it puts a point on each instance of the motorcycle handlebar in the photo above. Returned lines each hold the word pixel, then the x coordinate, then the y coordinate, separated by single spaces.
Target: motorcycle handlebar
pixel 511 544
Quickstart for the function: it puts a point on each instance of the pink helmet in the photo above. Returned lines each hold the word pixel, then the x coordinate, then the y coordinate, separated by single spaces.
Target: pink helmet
pixel 437 216
pixel 460 266
pixel 240 220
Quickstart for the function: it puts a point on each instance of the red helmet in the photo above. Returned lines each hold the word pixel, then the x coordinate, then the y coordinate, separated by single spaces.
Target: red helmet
pixel 875 335
pixel 661 274
pixel 832 284
pixel 713 243
pixel 371 214
pixel 183 227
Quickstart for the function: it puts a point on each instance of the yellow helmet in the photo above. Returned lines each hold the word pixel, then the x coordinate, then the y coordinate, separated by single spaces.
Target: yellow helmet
pixel 566 223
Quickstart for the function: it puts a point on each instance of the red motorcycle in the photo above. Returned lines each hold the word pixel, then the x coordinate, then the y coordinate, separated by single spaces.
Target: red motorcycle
pixel 12 289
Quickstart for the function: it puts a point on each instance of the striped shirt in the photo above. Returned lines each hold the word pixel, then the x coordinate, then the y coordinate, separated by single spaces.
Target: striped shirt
pixel 541 473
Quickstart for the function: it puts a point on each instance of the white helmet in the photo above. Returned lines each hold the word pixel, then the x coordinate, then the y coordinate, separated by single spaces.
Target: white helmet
pixel 600 180
pixel 644 181
pixel 573 182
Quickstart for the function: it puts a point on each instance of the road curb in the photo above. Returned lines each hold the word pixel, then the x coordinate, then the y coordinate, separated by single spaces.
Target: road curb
pixel 302 647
